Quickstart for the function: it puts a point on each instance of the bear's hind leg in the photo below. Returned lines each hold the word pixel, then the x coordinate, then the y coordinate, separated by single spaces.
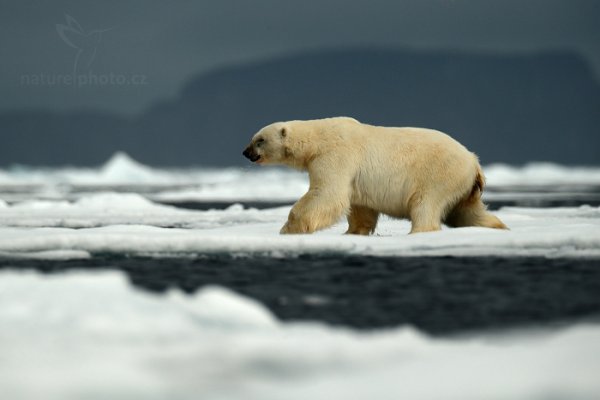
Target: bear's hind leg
pixel 472 212
pixel 425 218
pixel 362 220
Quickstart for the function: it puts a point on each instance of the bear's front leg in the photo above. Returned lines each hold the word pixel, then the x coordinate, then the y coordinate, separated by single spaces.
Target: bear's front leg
pixel 316 210
pixel 295 225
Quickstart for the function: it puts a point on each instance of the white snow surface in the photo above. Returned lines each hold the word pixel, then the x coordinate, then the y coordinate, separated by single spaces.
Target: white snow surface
pixel 129 223
pixel 89 336
pixel 249 183
pixel 540 173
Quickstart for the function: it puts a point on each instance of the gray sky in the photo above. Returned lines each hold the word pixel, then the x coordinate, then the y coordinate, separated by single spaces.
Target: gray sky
pixel 156 46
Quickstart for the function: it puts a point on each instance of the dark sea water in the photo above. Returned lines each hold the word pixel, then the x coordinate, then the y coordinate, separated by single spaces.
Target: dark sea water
pixel 439 295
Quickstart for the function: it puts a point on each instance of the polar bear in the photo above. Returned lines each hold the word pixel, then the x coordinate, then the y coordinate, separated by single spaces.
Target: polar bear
pixel 361 171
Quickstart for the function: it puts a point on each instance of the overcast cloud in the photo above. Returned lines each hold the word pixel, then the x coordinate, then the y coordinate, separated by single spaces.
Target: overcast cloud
pixel 166 43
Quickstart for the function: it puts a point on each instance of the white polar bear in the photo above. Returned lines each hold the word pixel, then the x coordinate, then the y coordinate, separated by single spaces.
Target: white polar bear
pixel 361 171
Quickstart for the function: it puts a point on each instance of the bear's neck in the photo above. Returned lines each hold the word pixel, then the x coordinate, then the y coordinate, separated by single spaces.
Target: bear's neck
pixel 302 150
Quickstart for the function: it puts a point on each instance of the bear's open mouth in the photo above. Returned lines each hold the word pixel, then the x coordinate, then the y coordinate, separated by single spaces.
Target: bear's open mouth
pixel 254 158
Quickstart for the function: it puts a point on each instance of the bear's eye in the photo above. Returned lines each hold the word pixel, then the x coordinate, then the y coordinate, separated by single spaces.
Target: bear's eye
pixel 260 142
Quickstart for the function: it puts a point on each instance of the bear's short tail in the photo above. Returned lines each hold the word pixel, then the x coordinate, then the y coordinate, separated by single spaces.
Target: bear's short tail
pixel 478 186
pixel 471 211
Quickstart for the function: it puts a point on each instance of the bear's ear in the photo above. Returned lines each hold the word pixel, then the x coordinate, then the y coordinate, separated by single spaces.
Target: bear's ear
pixel 283 132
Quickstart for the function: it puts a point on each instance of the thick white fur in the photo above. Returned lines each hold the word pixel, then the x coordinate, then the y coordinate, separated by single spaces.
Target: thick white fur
pixel 360 171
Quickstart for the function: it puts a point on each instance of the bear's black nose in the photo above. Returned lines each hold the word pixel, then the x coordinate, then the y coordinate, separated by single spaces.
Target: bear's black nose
pixel 250 155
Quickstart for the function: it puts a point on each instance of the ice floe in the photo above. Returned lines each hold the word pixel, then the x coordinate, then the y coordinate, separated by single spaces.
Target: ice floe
pixel 85 335
pixel 129 223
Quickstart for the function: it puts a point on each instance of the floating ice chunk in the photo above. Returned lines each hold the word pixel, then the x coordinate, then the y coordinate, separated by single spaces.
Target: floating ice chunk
pixel 115 200
pixel 540 174
pixel 102 209
pixel 121 168
pixel 563 232
pixel 50 255
pixel 217 306
pixel 86 335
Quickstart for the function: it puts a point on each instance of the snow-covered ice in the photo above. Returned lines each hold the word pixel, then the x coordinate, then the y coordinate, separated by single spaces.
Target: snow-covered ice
pixel 540 173
pixel 88 335
pixel 129 223
pixel 171 184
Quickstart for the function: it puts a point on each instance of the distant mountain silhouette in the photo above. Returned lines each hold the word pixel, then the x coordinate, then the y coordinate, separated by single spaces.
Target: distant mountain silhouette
pixel 506 108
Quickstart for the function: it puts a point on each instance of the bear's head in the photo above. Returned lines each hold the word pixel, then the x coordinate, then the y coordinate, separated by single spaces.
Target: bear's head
pixel 269 145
